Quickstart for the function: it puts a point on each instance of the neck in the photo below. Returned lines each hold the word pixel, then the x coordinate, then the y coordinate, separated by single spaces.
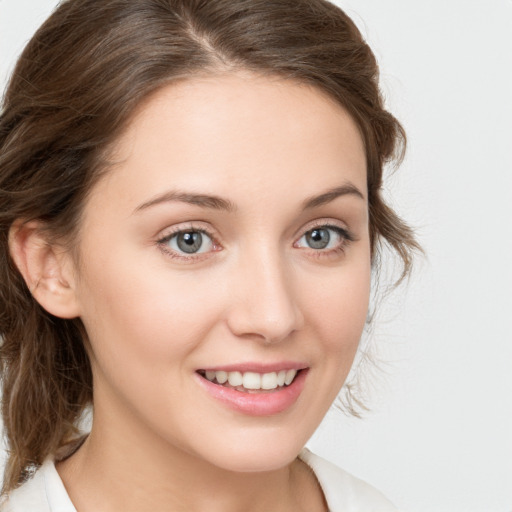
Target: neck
pixel 120 468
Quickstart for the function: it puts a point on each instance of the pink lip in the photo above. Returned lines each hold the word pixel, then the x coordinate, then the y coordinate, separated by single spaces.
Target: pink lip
pixel 256 404
pixel 258 367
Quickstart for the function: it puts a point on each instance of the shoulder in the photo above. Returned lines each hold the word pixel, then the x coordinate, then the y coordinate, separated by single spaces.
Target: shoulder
pixel 343 491
pixel 43 492
pixel 30 496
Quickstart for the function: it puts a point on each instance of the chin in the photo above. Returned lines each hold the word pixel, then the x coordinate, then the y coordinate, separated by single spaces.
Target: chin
pixel 251 451
pixel 265 461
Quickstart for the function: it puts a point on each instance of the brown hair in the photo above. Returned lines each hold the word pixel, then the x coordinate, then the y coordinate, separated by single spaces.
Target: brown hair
pixel 75 87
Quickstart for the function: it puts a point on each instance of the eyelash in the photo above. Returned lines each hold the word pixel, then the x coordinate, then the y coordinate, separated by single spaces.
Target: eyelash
pixel 162 243
pixel 346 239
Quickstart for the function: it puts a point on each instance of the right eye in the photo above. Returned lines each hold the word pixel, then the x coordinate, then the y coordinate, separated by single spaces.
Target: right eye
pixel 190 241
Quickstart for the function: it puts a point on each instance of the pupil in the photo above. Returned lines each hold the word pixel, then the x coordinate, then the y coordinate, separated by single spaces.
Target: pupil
pixel 190 242
pixel 318 238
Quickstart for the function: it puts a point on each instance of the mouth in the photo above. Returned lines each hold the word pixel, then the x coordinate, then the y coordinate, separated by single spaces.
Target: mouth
pixel 251 382
pixel 271 390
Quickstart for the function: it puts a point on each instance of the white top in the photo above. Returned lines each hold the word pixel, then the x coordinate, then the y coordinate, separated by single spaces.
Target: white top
pixel 45 492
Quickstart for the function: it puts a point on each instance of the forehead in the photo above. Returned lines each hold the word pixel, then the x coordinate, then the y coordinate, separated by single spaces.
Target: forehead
pixel 238 134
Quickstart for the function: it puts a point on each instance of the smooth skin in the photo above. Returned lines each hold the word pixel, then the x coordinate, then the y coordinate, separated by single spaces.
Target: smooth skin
pixel 254 291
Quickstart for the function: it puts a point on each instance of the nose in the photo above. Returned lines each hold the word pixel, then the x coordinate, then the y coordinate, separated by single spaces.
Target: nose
pixel 263 303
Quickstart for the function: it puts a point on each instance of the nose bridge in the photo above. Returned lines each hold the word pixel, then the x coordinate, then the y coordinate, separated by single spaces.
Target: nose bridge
pixel 265 304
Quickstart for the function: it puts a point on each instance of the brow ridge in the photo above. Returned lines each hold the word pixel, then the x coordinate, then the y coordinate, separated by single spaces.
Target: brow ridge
pixel 331 195
pixel 219 203
pixel 202 200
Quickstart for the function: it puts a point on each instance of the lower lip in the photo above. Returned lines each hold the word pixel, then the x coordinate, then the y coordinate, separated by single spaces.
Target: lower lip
pixel 257 404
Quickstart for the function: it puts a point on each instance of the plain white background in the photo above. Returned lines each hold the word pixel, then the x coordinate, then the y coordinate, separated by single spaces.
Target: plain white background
pixel 439 437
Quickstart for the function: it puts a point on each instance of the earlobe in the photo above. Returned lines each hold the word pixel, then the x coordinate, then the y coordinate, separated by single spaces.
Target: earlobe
pixel 47 269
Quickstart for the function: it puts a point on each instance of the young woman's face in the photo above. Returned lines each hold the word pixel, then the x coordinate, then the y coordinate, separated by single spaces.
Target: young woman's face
pixel 229 241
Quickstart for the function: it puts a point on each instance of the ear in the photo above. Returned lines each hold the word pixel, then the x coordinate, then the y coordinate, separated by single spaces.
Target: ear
pixel 48 270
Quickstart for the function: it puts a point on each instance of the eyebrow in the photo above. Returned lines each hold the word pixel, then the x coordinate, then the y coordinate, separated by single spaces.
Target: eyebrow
pixel 202 200
pixel 331 195
pixel 219 203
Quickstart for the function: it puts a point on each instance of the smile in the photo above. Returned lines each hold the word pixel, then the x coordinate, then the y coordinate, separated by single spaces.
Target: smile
pixel 250 381
pixel 254 393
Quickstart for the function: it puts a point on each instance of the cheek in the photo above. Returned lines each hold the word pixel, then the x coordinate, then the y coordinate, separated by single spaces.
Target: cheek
pixel 134 315
pixel 143 333
pixel 339 310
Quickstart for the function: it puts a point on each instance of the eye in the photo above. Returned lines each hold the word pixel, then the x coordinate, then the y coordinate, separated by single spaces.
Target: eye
pixel 189 242
pixel 323 237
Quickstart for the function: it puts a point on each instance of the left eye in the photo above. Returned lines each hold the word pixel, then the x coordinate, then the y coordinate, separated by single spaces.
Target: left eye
pixel 322 238
pixel 190 242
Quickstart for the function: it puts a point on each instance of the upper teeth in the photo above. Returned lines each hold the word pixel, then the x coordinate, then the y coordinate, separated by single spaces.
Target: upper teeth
pixel 253 380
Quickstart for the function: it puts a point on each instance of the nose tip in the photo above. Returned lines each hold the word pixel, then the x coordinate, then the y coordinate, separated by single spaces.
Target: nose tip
pixel 272 322
pixel 265 307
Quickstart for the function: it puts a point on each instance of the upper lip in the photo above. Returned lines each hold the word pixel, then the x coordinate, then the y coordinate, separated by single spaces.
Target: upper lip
pixel 257 367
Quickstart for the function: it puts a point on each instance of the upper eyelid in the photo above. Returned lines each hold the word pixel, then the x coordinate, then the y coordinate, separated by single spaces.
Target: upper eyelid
pixel 170 231
pixel 200 226
pixel 323 223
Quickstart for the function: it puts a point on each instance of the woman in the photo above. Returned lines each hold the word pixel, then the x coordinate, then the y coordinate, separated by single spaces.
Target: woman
pixel 190 198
